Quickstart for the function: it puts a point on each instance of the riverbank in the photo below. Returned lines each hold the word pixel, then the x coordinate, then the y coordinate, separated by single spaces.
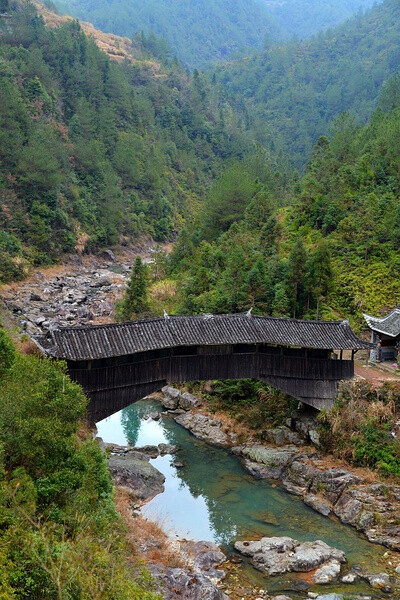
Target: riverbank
pixel 208 474
pixel 355 496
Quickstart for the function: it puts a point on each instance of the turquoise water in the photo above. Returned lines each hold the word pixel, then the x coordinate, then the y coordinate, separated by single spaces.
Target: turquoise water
pixel 213 498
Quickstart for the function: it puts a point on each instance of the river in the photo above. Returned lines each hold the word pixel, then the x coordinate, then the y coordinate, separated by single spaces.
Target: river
pixel 213 498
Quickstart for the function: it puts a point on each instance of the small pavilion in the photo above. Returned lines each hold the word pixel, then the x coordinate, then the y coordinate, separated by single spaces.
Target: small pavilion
pixel 387 331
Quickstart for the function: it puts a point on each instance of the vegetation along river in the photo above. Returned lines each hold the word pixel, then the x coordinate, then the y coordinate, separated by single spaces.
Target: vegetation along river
pixel 213 498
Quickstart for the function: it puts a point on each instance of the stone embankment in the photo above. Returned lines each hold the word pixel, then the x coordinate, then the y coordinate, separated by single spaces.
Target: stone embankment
pixel 371 508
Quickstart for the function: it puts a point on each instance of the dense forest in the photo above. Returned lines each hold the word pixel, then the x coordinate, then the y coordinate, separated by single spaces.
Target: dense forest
pixel 197 32
pixel 61 536
pixel 304 18
pixel 210 30
pixel 324 245
pixel 96 153
pixel 297 90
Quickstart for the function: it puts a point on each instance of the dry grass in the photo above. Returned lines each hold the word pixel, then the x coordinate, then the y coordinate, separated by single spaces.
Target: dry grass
pixel 163 290
pixel 28 347
pixel 118 48
pixel 146 539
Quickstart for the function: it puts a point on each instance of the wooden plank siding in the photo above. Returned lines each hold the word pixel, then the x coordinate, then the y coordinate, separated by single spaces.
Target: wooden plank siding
pixel 114 383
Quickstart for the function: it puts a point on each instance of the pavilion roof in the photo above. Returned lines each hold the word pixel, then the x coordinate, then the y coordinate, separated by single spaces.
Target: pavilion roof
pixel 389 325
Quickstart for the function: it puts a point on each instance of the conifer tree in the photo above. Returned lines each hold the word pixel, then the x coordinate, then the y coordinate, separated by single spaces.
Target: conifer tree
pixel 135 302
pixel 296 276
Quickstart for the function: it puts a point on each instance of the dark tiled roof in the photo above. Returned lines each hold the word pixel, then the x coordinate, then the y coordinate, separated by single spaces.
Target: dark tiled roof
pixel 389 325
pixel 103 341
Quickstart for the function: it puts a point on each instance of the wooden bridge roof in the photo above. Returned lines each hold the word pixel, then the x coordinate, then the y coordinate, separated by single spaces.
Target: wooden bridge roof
pixel 119 339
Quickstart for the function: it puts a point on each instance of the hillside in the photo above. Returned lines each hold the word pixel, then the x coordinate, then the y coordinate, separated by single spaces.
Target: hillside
pixel 304 18
pixel 96 153
pixel 331 250
pixel 213 30
pixel 297 90
pixel 197 32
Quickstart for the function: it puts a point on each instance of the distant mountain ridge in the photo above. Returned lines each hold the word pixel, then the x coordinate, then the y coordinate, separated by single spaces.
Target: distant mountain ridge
pixel 293 93
pixel 200 32
pixel 212 30
pixel 304 18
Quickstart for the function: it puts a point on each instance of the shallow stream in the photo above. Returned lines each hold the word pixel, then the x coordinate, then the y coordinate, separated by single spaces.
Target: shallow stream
pixel 213 498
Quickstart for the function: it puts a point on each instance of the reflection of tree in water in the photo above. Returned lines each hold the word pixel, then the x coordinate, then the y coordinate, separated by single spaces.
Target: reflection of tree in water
pixel 132 416
pixel 207 473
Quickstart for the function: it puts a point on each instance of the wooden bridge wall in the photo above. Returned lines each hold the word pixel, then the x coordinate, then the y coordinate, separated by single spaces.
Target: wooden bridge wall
pixel 111 387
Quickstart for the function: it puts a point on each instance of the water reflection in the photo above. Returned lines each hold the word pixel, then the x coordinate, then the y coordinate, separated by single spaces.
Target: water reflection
pixel 212 497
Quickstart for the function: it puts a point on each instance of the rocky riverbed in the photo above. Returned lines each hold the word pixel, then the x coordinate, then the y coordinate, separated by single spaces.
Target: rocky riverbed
pixel 300 469
pixel 83 291
pixel 373 509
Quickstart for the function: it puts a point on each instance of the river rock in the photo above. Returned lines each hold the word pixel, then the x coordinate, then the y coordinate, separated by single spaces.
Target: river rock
pixel 202 556
pixel 278 555
pixel 380 581
pixel 173 399
pixel 134 472
pixel 108 255
pixel 328 572
pixel 154 416
pixel 317 504
pixel 205 428
pixel 102 281
pixel 333 482
pixel 188 401
pixel 281 436
pixel 170 398
pixel 164 449
pixel 182 584
pixel 301 473
pixel 274 460
pixel 306 424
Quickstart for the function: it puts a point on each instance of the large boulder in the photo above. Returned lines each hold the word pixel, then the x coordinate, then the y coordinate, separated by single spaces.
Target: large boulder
pixel 266 462
pixel 334 482
pixel 182 584
pixel 205 428
pixel 277 555
pixel 173 399
pixel 134 472
pixel 170 398
pixel 282 435
pixel 204 557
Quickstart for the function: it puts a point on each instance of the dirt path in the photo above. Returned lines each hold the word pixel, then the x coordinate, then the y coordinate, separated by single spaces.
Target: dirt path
pixel 373 374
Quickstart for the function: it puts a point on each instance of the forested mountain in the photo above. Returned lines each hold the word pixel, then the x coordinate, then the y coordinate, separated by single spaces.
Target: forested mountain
pixel 197 32
pixel 304 18
pixel 211 30
pixel 297 90
pixel 93 152
pixel 331 248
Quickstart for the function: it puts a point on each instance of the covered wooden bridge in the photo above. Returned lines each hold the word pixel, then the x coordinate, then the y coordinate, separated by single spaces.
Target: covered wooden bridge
pixel 120 363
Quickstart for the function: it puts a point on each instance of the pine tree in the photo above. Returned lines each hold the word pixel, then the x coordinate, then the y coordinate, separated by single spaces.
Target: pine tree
pixel 320 273
pixel 296 277
pixel 135 302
